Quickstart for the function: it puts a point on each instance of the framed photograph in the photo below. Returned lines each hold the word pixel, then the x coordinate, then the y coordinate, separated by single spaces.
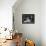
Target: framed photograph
pixel 28 18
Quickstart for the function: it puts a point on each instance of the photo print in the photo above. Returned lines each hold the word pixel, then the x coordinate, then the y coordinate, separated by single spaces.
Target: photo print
pixel 28 18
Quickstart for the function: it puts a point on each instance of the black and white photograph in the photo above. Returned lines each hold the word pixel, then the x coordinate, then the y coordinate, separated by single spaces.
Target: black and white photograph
pixel 28 19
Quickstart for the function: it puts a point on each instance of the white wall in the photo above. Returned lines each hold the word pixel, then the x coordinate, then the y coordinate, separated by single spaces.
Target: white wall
pixel 31 31
pixel 43 22
pixel 6 13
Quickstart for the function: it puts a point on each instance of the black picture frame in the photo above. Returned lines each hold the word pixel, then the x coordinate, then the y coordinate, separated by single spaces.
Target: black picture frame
pixel 28 18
